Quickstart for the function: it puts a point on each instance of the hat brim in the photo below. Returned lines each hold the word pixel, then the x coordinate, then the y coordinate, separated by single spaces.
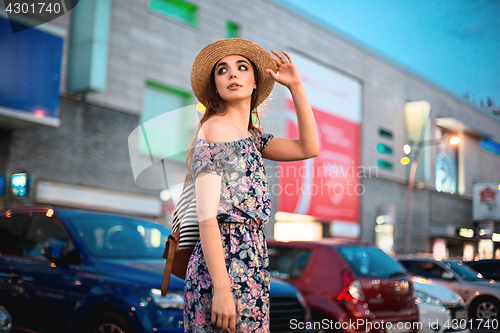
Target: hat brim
pixel 212 53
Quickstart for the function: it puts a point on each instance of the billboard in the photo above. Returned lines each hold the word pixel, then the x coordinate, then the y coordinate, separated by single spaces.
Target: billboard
pixel 327 186
pixel 486 201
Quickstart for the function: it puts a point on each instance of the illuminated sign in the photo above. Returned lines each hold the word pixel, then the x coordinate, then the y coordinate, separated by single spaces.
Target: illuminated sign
pixel 495 237
pixel 466 232
pixel 20 185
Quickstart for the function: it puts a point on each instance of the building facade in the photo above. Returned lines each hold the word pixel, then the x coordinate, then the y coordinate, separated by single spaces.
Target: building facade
pixel 124 79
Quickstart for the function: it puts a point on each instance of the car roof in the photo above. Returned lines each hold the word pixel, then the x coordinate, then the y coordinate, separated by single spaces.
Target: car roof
pixel 67 211
pixel 493 261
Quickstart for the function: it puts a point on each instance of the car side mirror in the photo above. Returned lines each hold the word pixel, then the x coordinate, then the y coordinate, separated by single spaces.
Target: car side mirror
pixel 53 251
pixel 447 275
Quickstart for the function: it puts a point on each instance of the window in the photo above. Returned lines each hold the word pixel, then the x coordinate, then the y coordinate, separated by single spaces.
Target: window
pixel 287 262
pixel 45 230
pixel 385 133
pixel 300 262
pixel 384 149
pixel 424 269
pixel 446 163
pixel 233 30
pixel 371 262
pixel 179 10
pixel 120 237
pixel 384 164
pixel 169 136
pixel 11 231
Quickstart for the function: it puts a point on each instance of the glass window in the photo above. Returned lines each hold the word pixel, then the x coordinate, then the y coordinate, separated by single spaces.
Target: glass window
pixel 121 237
pixel 371 262
pixel 43 230
pixel 300 262
pixel 427 269
pixel 166 139
pixel 179 10
pixel 11 231
pixel 463 271
pixel 280 261
pixel 446 163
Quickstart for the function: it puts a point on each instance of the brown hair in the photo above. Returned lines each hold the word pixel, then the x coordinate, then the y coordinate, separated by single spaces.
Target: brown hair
pixel 215 106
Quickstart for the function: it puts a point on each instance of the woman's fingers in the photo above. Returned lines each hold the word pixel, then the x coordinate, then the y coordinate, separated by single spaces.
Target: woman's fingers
pixel 273 74
pixel 224 321
pixel 288 57
pixel 232 324
pixel 280 57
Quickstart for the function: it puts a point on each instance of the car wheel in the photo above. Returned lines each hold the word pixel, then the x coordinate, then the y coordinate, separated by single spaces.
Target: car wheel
pixel 486 308
pixel 111 322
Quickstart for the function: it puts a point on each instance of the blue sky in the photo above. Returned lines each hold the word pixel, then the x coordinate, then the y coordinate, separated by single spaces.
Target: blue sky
pixel 454 43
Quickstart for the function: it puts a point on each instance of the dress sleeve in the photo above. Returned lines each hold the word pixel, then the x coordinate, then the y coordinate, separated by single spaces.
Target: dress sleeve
pixel 264 138
pixel 203 160
pixel 214 158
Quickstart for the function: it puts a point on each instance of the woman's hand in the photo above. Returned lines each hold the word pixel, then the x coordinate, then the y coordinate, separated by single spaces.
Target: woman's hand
pixel 224 310
pixel 287 75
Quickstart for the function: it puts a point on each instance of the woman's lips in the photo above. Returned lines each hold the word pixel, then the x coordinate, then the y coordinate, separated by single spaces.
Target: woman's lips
pixel 234 86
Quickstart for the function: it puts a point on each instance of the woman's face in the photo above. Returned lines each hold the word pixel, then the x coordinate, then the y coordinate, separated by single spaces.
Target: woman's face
pixel 234 78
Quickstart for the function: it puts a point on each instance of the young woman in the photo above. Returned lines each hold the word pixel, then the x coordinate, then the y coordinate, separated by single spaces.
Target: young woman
pixel 227 280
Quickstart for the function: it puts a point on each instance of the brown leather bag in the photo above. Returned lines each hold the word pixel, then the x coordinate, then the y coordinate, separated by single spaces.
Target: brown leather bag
pixel 185 234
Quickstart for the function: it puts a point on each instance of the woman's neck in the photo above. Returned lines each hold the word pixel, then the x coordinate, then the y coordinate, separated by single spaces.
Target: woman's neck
pixel 238 115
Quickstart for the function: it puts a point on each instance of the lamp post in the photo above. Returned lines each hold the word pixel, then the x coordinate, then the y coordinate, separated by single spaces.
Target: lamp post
pixel 454 140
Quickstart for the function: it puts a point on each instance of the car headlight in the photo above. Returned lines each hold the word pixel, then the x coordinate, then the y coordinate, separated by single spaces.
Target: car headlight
pixel 425 298
pixel 458 298
pixel 173 299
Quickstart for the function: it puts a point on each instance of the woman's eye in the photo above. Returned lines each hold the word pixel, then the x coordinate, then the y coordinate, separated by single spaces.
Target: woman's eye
pixel 243 67
pixel 222 71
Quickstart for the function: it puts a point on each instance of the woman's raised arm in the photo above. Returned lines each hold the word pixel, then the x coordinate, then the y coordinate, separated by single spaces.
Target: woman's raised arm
pixel 307 145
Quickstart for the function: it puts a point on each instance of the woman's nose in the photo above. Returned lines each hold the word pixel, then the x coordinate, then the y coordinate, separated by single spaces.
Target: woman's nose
pixel 232 73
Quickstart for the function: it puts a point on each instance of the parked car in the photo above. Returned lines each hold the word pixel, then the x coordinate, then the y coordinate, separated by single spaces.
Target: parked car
pixel 439 309
pixel 65 270
pixel 489 268
pixel 347 282
pixel 5 320
pixel 481 296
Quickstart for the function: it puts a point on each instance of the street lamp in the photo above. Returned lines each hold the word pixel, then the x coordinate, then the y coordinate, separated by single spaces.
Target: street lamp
pixel 416 148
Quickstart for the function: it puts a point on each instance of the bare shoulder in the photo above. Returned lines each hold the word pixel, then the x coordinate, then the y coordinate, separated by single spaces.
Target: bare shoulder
pixel 214 130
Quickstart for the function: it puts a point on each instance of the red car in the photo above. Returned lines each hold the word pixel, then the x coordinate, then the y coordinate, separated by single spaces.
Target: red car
pixel 349 286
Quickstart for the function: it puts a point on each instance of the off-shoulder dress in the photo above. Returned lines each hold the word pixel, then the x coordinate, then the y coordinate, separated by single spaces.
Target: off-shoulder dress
pixel 244 210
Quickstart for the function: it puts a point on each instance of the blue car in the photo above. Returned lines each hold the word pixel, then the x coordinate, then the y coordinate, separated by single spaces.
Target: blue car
pixel 64 270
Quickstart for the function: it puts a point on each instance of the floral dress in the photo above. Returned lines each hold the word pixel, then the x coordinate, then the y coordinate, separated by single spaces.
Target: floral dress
pixel 244 210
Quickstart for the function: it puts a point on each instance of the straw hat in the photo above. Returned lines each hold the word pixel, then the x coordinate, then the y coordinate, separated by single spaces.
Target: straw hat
pixel 212 53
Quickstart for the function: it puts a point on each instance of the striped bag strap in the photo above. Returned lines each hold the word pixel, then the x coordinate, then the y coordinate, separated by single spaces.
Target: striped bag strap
pixel 182 206
pixel 189 228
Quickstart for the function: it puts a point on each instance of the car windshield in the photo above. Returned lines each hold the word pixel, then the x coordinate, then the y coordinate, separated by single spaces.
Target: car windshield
pixel 120 237
pixel 371 262
pixel 464 271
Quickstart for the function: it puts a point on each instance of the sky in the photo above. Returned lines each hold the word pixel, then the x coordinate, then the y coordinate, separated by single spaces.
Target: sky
pixel 453 43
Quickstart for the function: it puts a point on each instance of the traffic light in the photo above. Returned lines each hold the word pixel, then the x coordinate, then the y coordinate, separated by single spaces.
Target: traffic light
pixel 20 183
